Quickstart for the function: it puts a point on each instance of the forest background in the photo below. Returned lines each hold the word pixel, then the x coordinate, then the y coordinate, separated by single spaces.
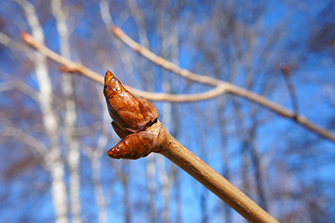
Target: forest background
pixel 55 129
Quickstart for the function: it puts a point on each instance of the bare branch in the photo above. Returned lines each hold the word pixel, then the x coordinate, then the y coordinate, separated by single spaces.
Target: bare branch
pixel 33 142
pixel 15 83
pixel 6 86
pixel 287 75
pixel 12 44
pixel 70 66
pixel 230 88
pixel 213 93
pixel 157 139
pixel 162 62
pixel 221 85
pixel 216 183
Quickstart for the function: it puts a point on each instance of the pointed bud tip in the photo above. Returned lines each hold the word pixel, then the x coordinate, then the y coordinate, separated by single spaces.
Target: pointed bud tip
pixel 26 37
pixel 109 73
pixel 108 76
pixel 116 30
pixel 110 153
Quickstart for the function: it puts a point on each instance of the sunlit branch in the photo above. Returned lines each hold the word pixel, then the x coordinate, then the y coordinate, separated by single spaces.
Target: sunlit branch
pixel 203 173
pixel 221 86
pixel 213 93
pixel 161 61
pixel 155 138
pixel 229 88
pixel 70 66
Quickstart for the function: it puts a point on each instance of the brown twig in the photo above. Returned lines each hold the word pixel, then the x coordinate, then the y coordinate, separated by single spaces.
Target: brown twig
pixel 141 136
pixel 213 93
pixel 162 62
pixel 70 66
pixel 229 88
pixel 169 147
pixel 287 75
pixel 215 182
pixel 221 86
pixel 152 136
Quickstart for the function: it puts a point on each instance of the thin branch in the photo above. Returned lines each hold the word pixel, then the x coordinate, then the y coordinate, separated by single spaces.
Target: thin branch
pixel 70 66
pixel 287 75
pixel 213 93
pixel 230 88
pixel 15 46
pixel 161 61
pixel 16 84
pixel 33 142
pixel 215 182
pixel 221 87
pixel 157 139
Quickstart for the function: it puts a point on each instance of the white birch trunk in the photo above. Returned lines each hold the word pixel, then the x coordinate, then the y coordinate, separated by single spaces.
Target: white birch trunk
pixel 72 145
pixel 56 165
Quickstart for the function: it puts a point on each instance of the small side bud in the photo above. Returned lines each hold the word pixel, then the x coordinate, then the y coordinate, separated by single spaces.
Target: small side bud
pixel 133 146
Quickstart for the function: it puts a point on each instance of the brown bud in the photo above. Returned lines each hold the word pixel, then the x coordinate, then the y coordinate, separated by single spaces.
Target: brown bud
pixel 122 133
pixel 133 146
pixel 148 110
pixel 131 118
pixel 125 109
pixel 285 69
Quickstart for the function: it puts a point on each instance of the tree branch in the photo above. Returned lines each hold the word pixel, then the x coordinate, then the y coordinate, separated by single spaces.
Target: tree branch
pixel 70 66
pixel 287 75
pixel 228 87
pixel 33 142
pixel 185 159
pixel 153 137
pixel 221 86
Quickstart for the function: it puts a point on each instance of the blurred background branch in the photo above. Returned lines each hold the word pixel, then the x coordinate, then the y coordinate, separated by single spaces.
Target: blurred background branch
pixel 226 87
pixel 221 86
